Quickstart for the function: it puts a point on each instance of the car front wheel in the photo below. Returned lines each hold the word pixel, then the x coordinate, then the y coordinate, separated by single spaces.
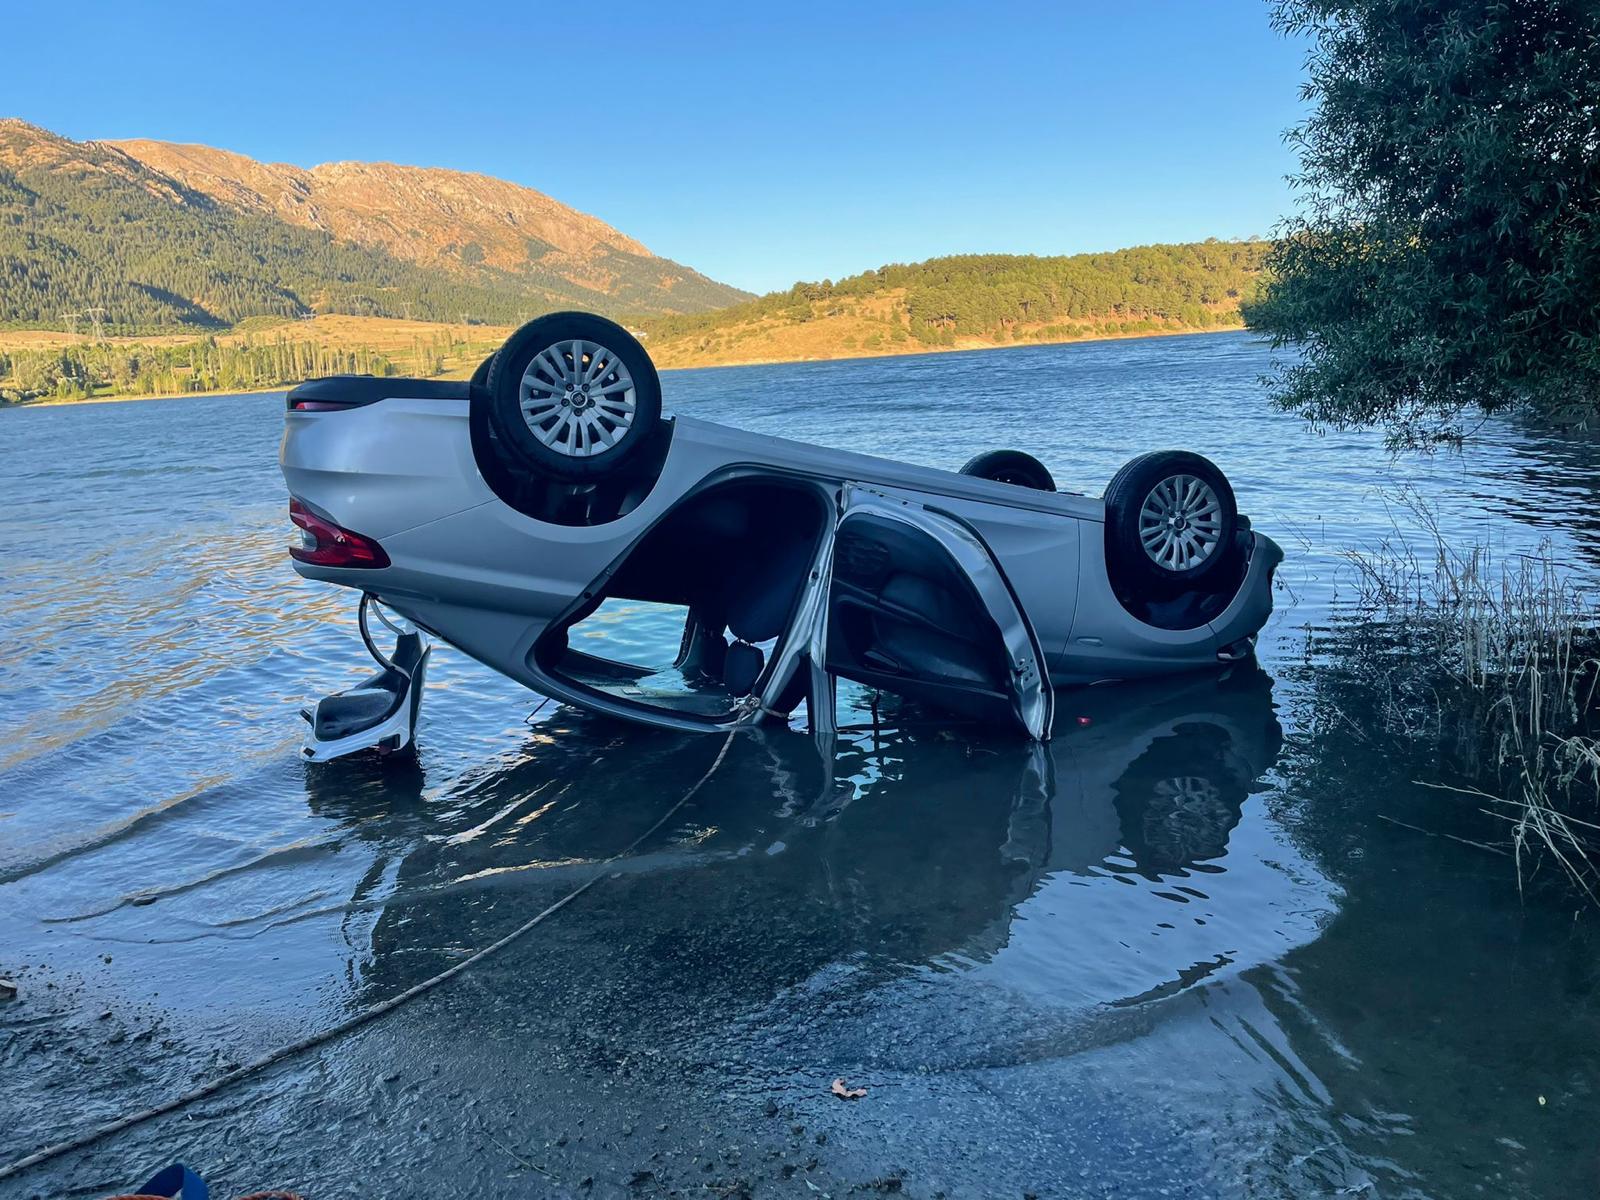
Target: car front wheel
pixel 1170 521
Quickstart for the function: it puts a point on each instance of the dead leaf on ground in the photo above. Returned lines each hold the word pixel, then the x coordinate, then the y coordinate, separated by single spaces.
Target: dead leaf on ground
pixel 845 1092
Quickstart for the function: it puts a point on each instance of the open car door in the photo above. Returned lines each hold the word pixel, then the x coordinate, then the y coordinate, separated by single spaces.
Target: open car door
pixel 918 606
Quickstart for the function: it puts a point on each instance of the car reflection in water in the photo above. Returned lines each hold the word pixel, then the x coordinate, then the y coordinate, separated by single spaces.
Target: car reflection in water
pixel 920 841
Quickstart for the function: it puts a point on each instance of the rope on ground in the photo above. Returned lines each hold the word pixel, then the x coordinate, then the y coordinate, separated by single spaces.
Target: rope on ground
pixel 362 1017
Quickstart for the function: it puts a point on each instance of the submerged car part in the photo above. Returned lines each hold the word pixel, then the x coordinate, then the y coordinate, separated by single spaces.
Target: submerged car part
pixel 379 713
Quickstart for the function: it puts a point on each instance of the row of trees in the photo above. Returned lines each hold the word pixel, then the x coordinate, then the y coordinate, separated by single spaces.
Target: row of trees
pixel 80 372
pixel 1198 285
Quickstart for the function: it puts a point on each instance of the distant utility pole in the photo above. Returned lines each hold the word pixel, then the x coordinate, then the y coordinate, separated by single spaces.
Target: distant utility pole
pixel 97 315
pixel 71 318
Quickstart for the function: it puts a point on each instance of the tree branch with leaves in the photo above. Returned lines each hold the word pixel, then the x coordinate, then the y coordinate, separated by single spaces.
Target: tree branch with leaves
pixel 1445 263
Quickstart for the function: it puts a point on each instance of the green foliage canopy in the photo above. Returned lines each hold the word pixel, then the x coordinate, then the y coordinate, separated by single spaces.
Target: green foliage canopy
pixel 1447 260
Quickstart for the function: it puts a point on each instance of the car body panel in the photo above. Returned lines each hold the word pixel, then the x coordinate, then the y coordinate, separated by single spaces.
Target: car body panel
pixel 492 580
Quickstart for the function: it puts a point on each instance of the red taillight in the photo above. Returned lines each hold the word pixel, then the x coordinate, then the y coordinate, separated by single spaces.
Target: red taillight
pixel 318 406
pixel 327 545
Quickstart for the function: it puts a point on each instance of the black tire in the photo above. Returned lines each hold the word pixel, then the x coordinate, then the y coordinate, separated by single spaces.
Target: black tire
pixel 560 447
pixel 1011 466
pixel 1155 557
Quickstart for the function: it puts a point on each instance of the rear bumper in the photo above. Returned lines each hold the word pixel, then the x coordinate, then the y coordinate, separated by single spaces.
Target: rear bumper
pixel 1252 605
pixel 381 469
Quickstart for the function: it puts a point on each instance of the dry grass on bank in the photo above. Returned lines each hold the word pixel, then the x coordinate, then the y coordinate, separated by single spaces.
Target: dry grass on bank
pixel 1502 660
pixel 878 326
pixel 338 332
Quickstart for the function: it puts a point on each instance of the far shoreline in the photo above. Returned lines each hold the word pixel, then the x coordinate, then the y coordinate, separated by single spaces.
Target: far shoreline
pixel 854 356
pixel 54 402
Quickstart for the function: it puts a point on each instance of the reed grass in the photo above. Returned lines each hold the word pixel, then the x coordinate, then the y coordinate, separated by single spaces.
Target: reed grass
pixel 1502 656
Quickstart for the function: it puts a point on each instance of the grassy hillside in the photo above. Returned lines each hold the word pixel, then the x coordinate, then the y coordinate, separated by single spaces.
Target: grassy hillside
pixel 973 301
pixel 87 228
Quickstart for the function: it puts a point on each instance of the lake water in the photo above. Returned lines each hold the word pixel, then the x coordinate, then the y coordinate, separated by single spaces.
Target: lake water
pixel 1192 950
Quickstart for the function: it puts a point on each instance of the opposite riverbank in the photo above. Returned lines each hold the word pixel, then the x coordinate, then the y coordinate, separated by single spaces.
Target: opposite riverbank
pixel 57 368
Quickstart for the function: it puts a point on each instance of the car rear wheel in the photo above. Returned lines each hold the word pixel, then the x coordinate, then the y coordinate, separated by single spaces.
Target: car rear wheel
pixel 1011 466
pixel 574 396
pixel 1170 521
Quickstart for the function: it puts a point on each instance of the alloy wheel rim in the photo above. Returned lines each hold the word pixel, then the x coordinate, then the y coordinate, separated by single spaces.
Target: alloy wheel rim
pixel 578 398
pixel 1180 522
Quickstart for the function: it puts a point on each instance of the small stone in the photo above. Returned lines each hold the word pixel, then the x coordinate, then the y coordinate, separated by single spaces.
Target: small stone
pixel 771 1108
pixel 392 1077
pixel 7 989
pixel 106 1016
pixel 797 1130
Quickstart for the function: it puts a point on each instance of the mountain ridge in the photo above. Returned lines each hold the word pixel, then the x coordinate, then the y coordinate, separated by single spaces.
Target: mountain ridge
pixel 217 236
pixel 325 197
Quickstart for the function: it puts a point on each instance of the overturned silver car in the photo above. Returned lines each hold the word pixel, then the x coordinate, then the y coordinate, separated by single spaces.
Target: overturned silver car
pixel 503 515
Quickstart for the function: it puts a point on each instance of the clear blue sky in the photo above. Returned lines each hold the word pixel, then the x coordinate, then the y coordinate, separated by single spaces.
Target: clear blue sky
pixel 760 143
